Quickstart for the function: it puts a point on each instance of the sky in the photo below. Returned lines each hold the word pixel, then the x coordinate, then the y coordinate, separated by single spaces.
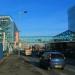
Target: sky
pixel 43 17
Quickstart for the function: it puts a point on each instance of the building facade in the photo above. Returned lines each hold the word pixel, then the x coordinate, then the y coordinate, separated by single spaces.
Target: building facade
pixel 71 19
pixel 7 31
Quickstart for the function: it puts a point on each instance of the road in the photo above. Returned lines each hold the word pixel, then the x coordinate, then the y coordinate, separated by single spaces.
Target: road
pixel 68 70
pixel 23 65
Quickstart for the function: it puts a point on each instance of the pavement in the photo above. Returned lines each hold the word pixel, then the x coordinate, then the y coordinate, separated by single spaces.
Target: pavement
pixel 13 65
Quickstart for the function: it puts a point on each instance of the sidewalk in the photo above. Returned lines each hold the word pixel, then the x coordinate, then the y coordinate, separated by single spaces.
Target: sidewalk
pixel 16 66
pixel 3 59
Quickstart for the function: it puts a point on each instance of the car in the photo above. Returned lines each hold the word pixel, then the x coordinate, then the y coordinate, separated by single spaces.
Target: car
pixel 52 59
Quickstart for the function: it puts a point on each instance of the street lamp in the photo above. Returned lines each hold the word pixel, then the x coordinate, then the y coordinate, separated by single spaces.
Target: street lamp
pixel 25 12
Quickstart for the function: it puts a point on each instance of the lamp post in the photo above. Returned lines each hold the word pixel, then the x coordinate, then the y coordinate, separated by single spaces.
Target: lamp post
pixel 19 44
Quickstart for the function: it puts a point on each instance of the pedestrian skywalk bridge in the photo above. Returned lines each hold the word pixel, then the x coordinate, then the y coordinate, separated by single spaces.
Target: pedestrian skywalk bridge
pixel 65 36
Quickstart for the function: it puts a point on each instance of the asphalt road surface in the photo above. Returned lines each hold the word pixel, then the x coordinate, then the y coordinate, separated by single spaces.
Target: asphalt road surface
pixel 23 65
pixel 68 70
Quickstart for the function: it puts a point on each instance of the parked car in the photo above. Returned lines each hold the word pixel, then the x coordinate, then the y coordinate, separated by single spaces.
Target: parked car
pixel 53 59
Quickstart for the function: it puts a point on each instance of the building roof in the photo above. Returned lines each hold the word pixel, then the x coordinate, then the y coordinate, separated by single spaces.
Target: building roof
pixel 66 36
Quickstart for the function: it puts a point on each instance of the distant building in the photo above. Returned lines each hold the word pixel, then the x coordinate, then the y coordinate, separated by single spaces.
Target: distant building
pixel 65 40
pixel 71 19
pixel 68 35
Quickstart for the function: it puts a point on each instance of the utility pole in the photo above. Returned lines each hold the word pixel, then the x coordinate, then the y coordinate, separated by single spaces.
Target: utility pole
pixel 19 45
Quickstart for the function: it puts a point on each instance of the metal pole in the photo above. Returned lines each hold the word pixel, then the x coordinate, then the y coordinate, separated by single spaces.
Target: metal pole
pixel 19 45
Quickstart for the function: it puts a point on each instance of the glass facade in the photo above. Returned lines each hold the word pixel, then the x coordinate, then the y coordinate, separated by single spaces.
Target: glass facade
pixel 65 36
pixel 7 30
pixel 36 39
pixel 71 19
